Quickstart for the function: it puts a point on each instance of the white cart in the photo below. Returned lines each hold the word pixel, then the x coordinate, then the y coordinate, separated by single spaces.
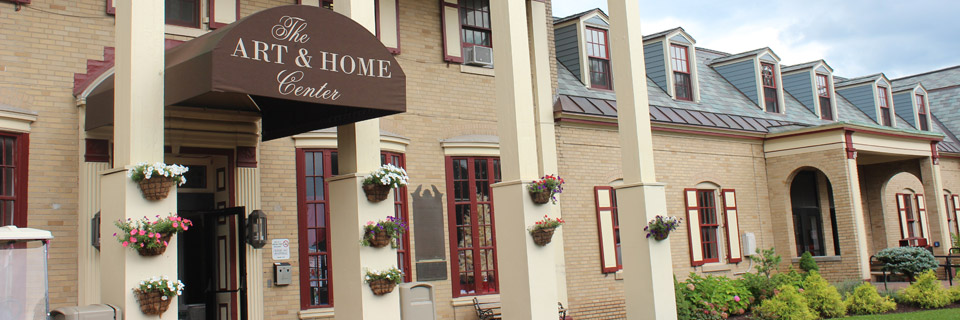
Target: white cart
pixel 23 273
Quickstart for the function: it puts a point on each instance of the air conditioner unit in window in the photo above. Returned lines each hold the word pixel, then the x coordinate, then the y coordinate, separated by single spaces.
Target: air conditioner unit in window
pixel 478 56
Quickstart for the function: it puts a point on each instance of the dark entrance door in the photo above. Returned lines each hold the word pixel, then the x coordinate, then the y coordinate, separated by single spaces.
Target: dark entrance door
pixel 807 222
pixel 212 264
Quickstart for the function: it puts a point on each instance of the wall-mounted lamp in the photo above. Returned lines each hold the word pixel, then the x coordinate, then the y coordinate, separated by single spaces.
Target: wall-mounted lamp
pixel 95 231
pixel 257 229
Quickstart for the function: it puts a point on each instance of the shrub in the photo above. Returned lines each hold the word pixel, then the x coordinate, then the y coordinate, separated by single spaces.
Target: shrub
pixel 822 298
pixel 908 261
pixel 927 292
pixel 712 297
pixel 866 300
pixel 769 261
pixel 788 304
pixel 846 287
pixel 954 293
pixel 686 308
pixel 807 263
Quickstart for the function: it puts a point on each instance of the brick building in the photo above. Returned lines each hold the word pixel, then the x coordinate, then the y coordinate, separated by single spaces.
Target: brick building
pixel 801 159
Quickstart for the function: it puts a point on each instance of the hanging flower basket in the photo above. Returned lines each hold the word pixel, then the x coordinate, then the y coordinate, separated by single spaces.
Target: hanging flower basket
pixel 383 281
pixel 154 295
pixel 156 250
pixel 156 188
pixel 660 227
pixel 546 189
pixel 542 231
pixel 153 303
pixel 541 197
pixel 150 238
pixel 156 180
pixel 383 232
pixel 376 192
pixel 542 236
pixel 382 286
pixel 377 185
pixel 379 239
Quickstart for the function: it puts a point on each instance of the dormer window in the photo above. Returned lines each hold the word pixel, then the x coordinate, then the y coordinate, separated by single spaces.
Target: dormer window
pixel 680 62
pixel 475 23
pixel 922 113
pixel 884 107
pixel 823 93
pixel 768 76
pixel 599 58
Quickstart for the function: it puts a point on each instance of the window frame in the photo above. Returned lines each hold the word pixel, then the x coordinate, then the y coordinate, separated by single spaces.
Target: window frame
pixel 493 176
pixel 685 62
pixel 615 228
pixel 884 104
pixel 401 210
pixel 20 157
pixel 464 27
pixel 604 60
pixel 823 97
pixel 181 23
pixel 302 229
pixel 922 113
pixel 701 207
pixel 775 99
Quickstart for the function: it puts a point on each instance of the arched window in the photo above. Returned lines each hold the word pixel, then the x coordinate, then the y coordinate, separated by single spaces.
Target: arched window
pixel 807 221
pixel 712 224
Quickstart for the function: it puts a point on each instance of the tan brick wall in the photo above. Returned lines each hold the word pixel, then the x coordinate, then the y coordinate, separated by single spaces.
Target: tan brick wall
pixel 39 53
pixel 879 186
pixel 590 156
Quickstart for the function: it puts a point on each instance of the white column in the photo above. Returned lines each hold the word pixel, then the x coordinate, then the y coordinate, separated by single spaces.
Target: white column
pixel 528 287
pixel 248 196
pixel 358 151
pixel 936 208
pixel 546 134
pixel 138 136
pixel 647 264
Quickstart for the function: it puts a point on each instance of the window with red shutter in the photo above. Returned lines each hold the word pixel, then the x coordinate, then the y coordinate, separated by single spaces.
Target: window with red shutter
pixel 471 215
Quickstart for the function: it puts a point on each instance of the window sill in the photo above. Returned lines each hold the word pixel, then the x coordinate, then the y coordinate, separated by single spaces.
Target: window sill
pixel 716 268
pixel 320 313
pixel 468 300
pixel 185 31
pixel 820 259
pixel 618 275
pixel 477 71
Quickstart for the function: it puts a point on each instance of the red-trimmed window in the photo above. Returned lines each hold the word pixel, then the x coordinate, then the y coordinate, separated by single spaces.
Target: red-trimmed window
pixel 599 58
pixel 184 13
pixel 823 93
pixel 472 236
pixel 884 107
pixel 13 179
pixel 952 223
pixel 680 62
pixel 922 112
pixel 314 168
pixel 911 219
pixel 709 225
pixel 475 23
pixel 400 211
pixel 769 78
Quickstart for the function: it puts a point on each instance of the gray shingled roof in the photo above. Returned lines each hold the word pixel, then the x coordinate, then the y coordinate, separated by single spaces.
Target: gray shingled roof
pixel 936 79
pixel 721 100
pixel 807 65
pixel 576 15
pixel 738 56
pixel 943 90
pixel 855 81
pixel 661 33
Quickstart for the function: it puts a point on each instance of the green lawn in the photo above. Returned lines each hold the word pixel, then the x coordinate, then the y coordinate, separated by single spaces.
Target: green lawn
pixel 942 314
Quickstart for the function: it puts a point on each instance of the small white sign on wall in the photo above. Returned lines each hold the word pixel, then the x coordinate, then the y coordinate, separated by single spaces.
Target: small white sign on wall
pixel 281 249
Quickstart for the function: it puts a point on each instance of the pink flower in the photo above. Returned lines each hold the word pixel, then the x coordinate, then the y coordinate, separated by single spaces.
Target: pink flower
pixel 157 235
pixel 125 243
pixel 141 245
pixel 175 225
pixel 132 239
pixel 133 232
pixel 800 290
pixel 185 228
pixel 151 235
pixel 736 298
pixel 369 223
pixel 143 232
pixel 165 243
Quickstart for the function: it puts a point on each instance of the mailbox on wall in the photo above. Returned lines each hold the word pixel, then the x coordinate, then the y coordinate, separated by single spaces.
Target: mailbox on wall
pixel 282 274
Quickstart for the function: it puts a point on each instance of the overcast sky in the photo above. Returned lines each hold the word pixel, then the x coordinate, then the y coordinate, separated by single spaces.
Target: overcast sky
pixel 856 37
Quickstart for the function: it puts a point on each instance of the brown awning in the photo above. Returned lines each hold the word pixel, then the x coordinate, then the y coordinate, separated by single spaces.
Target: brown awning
pixel 301 67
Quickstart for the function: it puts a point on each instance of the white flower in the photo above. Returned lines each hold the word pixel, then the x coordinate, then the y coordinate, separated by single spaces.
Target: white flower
pixel 164 298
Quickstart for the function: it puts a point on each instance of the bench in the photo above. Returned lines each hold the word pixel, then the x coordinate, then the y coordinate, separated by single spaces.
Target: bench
pixel 877 269
pixel 486 310
pixel 491 310
pixel 951 262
